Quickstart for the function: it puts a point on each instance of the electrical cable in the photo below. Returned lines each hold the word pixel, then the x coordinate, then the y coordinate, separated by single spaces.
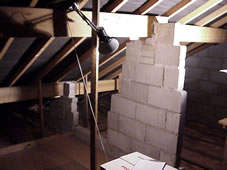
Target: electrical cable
pixel 89 100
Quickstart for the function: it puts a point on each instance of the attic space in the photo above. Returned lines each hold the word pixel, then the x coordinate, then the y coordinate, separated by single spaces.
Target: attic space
pixel 113 85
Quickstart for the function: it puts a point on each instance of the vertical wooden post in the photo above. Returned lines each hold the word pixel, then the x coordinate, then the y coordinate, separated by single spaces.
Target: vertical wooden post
pixel 86 116
pixel 41 107
pixel 94 83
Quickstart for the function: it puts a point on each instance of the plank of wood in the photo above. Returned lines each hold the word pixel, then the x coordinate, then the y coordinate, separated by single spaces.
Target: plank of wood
pixel 34 55
pixel 41 24
pixel 107 58
pixel 193 46
pixel 219 23
pixel 147 6
pixel 211 17
pixel 114 6
pixel 114 74
pixel 64 52
pixel 199 34
pixel 112 66
pixel 104 86
pixel 199 11
pixel 178 8
pixel 6 47
pixel 14 94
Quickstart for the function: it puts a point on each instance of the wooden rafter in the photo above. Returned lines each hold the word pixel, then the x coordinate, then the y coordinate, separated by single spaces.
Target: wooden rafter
pixel 199 11
pixel 66 50
pixel 33 3
pixel 202 47
pixel 114 74
pixel 114 5
pixel 6 46
pixel 42 23
pixel 178 8
pixel 107 58
pixel 23 93
pixel 103 61
pixel 147 6
pixel 216 24
pixel 211 17
pixel 112 66
pixel 35 52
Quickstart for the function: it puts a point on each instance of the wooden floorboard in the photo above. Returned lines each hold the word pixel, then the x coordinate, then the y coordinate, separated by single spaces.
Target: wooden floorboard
pixel 64 153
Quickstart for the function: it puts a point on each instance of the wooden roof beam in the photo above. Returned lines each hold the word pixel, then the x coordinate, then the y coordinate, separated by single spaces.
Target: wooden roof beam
pixel 42 23
pixel 199 11
pixel 40 46
pixel 147 6
pixel 178 8
pixel 112 66
pixel 6 47
pixel 113 6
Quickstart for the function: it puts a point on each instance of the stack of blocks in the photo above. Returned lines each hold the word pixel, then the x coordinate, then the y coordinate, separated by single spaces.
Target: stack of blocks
pixel 63 113
pixel 145 116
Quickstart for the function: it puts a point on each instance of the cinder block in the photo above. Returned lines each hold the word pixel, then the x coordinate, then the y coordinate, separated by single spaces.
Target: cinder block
pixel 148 51
pixel 146 60
pixel 152 75
pixel 170 55
pixel 115 152
pixel 75 118
pixel 197 73
pixel 145 149
pixel 132 128
pixel 150 115
pixel 128 70
pixel 170 159
pixel 173 100
pixel 164 33
pixel 192 61
pixel 134 91
pixel 210 63
pixel 208 87
pixel 69 89
pixel 173 122
pixel 133 50
pixel 191 84
pixel 113 120
pixel 123 106
pixel 162 139
pixel 218 77
pixel 174 77
pixel 119 140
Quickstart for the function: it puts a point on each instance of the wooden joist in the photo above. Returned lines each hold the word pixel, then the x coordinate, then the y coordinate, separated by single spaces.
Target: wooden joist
pixel 37 22
pixel 114 74
pixel 8 43
pixel 198 34
pixel 112 66
pixel 106 58
pixel 15 94
pixel 34 53
pixel 114 5
pixel 64 52
pixel 211 17
pixel 147 6
pixel 178 8
pixel 199 11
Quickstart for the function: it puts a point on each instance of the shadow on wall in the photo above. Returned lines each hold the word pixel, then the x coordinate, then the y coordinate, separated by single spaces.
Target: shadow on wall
pixel 206 85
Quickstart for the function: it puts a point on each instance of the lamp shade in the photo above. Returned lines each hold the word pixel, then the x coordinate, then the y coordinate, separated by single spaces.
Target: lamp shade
pixel 107 45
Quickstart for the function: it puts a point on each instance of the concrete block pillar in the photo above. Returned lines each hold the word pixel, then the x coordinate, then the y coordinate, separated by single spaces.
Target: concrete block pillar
pixel 145 115
pixel 63 113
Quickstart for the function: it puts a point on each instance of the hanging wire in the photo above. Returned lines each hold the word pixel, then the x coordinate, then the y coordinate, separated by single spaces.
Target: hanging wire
pixel 89 100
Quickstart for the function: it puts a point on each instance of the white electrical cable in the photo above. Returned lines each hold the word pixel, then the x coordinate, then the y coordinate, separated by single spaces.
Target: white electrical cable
pixel 89 100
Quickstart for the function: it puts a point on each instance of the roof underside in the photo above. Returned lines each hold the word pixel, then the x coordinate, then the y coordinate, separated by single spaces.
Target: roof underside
pixel 19 50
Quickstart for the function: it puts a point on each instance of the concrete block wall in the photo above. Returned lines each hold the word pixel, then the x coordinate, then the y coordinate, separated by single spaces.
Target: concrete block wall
pixel 206 85
pixel 62 113
pixel 145 116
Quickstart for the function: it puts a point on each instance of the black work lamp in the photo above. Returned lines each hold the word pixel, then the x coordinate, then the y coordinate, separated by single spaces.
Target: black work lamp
pixel 107 45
